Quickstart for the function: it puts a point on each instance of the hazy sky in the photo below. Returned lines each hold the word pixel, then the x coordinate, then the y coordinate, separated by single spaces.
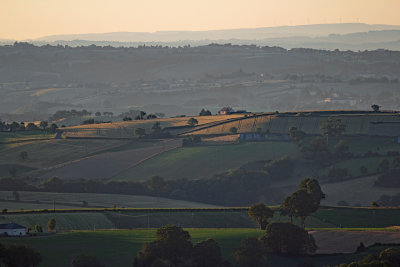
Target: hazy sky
pixel 22 19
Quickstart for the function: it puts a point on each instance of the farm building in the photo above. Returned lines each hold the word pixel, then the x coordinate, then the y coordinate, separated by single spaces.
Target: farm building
pixel 12 229
pixel 226 111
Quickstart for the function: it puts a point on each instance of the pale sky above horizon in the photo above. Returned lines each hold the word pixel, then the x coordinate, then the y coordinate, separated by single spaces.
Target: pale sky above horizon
pixel 25 19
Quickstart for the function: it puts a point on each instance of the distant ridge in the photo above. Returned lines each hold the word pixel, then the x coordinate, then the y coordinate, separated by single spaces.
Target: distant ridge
pixel 315 30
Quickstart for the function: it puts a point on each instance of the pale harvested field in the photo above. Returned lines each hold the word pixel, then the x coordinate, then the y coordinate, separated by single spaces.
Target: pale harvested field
pixel 110 164
pixel 126 128
pixel 347 241
pixel 357 191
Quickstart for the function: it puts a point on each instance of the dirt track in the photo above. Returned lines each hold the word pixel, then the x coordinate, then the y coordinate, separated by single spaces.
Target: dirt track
pixel 109 164
pixel 347 241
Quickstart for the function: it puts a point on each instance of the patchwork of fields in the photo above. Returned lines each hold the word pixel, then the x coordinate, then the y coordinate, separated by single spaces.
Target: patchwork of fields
pixel 377 124
pixel 110 164
pixel 126 129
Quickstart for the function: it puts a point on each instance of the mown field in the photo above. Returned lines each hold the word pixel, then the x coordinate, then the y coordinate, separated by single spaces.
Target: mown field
pixel 119 248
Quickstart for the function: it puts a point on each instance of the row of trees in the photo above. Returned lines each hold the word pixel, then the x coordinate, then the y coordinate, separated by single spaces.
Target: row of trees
pixel 22 126
pixel 300 204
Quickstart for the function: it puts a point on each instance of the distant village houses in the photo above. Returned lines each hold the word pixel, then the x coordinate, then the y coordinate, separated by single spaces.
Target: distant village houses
pixel 226 111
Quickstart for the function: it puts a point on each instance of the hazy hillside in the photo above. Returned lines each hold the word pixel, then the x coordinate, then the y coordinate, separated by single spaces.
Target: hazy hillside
pixel 247 34
pixel 37 81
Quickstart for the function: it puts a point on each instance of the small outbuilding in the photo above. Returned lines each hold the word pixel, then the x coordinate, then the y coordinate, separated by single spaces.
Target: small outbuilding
pixel 12 229
pixel 226 111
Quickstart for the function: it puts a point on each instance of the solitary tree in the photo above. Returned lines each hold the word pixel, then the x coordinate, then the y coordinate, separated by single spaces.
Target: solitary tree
pixel 31 127
pixel 261 214
pixel 300 205
pixel 38 228
pixel 233 130
pixel 204 112
pixel 304 201
pixel 375 107
pixel 53 127
pixel 51 225
pixel 192 122
pixel 44 125
pixel 313 187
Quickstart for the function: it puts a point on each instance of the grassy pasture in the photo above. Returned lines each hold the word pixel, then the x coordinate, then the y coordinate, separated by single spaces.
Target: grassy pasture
pixel 5 169
pixel 118 248
pixel 43 154
pixel 66 221
pixel 198 162
pixel 24 135
pixel 326 217
pixel 44 200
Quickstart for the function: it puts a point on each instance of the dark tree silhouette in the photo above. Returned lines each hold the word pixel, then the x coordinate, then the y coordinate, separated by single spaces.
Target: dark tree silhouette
pixel 261 214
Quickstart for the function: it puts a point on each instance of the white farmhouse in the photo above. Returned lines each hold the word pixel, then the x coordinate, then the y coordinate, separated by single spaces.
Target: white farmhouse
pixel 12 229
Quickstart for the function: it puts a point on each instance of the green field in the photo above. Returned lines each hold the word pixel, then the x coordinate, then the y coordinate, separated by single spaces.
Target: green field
pixel 361 218
pixel 203 162
pixel 119 248
pixel 81 221
pixel 44 200
pixel 326 217
pixel 55 151
pixel 5 169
